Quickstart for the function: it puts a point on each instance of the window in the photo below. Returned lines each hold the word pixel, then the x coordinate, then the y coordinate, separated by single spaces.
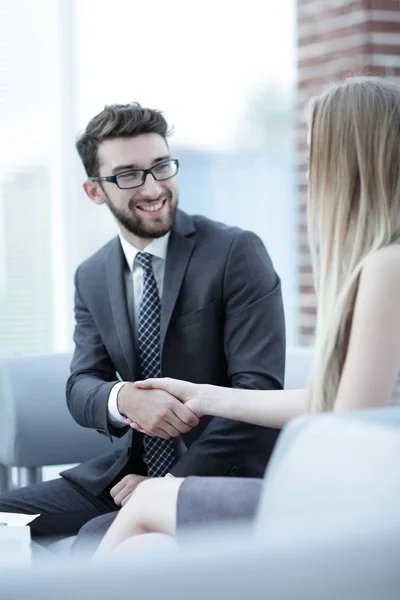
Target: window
pixel 223 75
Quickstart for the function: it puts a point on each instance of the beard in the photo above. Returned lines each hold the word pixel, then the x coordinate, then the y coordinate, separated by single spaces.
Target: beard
pixel 133 221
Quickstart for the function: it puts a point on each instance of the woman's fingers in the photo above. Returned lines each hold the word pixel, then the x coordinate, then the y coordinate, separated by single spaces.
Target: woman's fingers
pixel 175 387
pixel 182 425
pixel 158 383
pixel 182 390
pixel 136 426
pixel 174 428
pixel 170 430
pixel 186 416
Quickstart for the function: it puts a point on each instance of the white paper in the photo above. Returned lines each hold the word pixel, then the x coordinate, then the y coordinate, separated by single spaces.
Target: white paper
pixel 15 546
pixel 16 519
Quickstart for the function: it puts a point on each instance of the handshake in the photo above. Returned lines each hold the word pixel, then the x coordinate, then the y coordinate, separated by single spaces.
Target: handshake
pixel 163 407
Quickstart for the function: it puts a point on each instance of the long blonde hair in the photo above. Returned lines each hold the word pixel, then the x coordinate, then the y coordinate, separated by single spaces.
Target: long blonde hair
pixel 353 209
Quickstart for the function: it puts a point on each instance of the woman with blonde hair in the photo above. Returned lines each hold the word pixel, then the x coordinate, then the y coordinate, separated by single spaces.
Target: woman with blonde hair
pixel 354 237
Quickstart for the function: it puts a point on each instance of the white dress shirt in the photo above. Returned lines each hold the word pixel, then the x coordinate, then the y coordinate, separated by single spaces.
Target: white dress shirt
pixel 134 278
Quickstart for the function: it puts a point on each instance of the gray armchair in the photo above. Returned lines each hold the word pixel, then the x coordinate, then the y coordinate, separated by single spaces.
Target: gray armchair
pixel 36 428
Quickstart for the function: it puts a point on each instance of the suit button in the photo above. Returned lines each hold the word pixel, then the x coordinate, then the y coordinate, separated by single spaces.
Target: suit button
pixel 232 471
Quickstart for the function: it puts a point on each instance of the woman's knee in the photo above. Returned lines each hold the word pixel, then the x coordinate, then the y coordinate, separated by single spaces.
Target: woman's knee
pixel 98 525
pixel 154 504
pixel 91 533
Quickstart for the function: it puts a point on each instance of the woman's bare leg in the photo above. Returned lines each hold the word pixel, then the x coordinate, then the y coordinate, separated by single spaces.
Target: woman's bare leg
pixel 151 508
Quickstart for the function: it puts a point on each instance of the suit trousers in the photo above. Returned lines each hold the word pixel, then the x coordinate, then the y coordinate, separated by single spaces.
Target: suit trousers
pixel 64 507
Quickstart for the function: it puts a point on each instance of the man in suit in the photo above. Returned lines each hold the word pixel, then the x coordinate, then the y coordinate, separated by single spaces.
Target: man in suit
pixel 172 295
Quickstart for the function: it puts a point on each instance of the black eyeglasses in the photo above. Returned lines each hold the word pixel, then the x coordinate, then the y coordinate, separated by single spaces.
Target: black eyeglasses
pixel 136 177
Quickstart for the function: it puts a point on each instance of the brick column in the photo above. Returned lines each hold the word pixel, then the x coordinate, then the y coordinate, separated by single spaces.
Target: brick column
pixel 336 38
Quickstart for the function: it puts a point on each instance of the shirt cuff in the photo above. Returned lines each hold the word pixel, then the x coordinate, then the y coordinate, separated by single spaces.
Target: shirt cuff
pixel 114 416
pixel 169 475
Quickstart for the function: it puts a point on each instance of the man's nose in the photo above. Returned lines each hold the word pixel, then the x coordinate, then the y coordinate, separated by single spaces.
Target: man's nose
pixel 150 188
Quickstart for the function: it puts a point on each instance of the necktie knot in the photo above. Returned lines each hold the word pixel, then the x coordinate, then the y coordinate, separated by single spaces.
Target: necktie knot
pixel 144 259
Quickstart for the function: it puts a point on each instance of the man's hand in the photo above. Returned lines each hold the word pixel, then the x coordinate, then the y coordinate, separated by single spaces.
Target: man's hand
pixel 124 489
pixel 156 412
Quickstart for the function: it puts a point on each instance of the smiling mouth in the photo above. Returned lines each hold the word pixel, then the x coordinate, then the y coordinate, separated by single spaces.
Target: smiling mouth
pixel 152 207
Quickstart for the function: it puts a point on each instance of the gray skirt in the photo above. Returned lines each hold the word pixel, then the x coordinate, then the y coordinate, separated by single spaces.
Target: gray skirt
pixel 202 500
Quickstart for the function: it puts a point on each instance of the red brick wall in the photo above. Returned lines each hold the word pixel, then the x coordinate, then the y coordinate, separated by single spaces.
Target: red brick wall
pixel 336 38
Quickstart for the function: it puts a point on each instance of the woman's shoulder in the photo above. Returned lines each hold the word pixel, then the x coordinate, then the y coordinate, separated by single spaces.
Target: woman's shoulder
pixel 383 267
pixel 389 256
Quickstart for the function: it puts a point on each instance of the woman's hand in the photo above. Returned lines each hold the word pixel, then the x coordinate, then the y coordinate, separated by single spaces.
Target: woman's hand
pixel 200 399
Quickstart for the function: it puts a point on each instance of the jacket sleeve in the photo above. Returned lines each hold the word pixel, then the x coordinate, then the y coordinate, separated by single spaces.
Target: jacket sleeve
pixel 254 341
pixel 92 374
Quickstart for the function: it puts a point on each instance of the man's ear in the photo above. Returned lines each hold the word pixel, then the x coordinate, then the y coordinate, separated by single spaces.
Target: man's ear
pixel 93 191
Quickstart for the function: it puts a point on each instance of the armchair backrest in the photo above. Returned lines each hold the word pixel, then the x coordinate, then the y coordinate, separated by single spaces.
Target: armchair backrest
pixel 36 428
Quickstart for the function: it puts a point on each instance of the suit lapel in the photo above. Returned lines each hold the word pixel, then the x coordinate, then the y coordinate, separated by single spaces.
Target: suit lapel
pixel 180 248
pixel 115 267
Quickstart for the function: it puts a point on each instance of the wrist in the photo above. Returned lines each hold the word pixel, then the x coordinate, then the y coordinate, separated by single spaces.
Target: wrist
pixel 122 400
pixel 215 400
pixel 205 392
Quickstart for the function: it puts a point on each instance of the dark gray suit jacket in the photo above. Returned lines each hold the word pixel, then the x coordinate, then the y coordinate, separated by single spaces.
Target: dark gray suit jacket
pixel 221 323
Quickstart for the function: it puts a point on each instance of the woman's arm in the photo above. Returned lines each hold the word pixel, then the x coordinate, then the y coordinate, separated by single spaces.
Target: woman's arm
pixel 269 408
pixel 372 363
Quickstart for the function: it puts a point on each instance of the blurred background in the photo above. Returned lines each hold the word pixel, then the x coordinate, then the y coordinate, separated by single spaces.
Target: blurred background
pixel 224 75
pixel 232 79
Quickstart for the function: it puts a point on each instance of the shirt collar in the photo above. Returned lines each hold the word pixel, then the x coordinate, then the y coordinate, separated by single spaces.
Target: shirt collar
pixel 157 247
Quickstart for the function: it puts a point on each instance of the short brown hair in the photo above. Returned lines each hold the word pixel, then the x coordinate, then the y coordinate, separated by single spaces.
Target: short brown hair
pixel 117 120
